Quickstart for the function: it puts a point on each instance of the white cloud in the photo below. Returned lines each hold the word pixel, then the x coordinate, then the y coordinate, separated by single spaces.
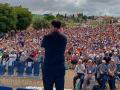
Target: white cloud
pixel 91 7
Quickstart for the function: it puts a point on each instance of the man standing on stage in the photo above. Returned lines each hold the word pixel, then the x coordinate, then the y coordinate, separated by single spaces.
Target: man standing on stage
pixel 54 62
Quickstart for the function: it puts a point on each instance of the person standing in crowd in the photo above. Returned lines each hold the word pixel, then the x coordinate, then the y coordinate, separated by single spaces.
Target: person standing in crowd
pixel 79 73
pixel 29 59
pixel 54 62
pixel 102 74
pixel 23 56
pixel 39 56
pixel 111 74
pixel 5 57
pixel 74 59
pixel 12 58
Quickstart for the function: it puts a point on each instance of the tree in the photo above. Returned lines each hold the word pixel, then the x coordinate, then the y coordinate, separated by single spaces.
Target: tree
pixel 40 24
pixel 7 18
pixel 91 17
pixel 59 17
pixel 49 17
pixel 24 18
pixel 84 17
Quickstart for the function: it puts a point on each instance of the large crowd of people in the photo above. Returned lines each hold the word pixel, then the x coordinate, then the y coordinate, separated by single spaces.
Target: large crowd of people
pixel 97 55
pixel 94 51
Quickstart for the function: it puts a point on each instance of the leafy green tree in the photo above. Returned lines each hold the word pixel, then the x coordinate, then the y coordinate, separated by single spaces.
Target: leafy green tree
pixel 84 17
pixel 7 18
pixel 91 17
pixel 49 17
pixel 24 18
pixel 40 23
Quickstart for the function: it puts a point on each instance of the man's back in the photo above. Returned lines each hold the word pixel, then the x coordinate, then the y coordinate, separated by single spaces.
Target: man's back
pixel 54 45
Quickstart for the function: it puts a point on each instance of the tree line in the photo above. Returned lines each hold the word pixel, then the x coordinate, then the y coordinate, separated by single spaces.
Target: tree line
pixel 19 18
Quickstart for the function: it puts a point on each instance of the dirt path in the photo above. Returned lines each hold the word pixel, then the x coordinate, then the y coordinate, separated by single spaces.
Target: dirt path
pixel 16 82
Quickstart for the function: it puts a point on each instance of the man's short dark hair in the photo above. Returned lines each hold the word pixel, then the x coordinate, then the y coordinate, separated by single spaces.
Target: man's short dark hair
pixel 56 24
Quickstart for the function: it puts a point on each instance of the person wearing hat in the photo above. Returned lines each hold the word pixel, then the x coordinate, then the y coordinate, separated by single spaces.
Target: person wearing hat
pixel 102 74
pixel 53 68
pixel 79 73
pixel 111 74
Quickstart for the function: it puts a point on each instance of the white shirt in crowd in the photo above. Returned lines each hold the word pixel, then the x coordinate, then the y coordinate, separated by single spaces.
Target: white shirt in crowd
pixel 12 57
pixel 80 68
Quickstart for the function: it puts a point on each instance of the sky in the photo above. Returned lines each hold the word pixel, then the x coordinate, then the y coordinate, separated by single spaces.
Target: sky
pixel 88 7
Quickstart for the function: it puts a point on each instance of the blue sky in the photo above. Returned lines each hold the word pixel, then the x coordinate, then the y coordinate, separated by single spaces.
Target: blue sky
pixel 89 7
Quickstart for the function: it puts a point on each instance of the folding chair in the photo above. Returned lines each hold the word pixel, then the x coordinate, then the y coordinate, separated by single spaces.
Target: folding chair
pixel 5 88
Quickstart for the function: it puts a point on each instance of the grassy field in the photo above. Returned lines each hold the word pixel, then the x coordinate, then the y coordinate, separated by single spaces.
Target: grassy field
pixel 35 16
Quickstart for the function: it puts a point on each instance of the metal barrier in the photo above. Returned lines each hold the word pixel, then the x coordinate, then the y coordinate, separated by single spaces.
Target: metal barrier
pixel 20 69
